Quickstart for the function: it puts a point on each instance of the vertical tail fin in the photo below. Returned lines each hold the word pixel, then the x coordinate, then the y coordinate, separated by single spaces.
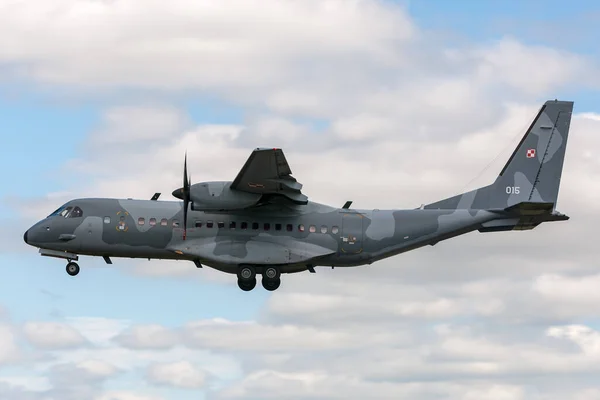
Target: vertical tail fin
pixel 533 171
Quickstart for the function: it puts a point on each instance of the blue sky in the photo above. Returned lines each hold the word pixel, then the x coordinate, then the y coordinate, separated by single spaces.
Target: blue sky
pixel 47 124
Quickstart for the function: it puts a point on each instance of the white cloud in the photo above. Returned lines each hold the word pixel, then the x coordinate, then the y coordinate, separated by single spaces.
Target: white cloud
pixel 52 335
pixel 9 350
pixel 148 337
pixel 401 121
pixel 123 395
pixel 182 374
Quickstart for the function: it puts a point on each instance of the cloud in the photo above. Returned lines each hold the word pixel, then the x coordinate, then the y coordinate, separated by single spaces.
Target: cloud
pixel 148 337
pixel 367 108
pixel 180 374
pixel 52 335
pixel 9 349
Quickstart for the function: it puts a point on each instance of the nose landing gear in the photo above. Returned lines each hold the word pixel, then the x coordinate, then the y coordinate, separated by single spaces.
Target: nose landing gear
pixel 72 268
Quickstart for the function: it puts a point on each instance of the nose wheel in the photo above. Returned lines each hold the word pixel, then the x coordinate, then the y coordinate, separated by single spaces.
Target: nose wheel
pixel 72 268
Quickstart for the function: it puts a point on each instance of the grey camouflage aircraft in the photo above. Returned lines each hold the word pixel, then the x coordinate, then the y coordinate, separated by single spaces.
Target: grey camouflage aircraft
pixel 262 223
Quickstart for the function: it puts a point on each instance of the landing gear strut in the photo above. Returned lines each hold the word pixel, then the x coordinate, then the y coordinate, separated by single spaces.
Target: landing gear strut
pixel 72 268
pixel 246 278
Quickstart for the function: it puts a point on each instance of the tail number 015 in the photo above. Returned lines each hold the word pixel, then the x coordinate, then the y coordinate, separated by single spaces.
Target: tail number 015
pixel 513 189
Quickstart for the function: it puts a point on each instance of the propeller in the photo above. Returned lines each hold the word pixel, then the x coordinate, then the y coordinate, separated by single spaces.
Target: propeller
pixel 184 194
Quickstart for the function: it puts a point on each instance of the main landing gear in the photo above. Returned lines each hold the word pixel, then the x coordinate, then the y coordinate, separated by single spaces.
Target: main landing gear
pixel 72 268
pixel 247 278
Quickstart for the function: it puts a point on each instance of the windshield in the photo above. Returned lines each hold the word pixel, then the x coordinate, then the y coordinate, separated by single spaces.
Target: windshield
pixel 67 212
pixel 58 211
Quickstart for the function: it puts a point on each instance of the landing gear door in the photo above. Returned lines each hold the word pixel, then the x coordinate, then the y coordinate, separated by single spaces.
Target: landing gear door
pixel 352 233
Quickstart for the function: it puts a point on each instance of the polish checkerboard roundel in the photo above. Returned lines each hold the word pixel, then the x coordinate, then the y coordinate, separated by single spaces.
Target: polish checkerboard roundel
pixel 530 153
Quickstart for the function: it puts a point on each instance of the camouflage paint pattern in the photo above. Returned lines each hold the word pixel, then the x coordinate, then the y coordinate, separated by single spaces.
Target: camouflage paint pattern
pixel 523 196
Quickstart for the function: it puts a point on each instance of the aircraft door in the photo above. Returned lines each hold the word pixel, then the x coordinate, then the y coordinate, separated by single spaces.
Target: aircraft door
pixel 91 232
pixel 352 233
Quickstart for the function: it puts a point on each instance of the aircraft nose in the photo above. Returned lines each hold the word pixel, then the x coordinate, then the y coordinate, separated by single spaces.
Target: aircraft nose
pixel 25 237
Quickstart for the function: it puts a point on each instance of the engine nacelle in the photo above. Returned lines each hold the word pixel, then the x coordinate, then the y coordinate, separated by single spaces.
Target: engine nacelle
pixel 218 196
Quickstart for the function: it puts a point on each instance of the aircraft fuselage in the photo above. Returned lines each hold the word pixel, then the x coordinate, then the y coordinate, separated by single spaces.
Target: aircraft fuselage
pixel 337 236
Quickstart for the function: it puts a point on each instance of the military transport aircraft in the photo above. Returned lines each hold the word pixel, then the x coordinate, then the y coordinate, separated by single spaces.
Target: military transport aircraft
pixel 262 223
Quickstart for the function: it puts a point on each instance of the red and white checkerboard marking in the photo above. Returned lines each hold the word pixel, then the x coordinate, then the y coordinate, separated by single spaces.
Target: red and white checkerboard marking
pixel 530 153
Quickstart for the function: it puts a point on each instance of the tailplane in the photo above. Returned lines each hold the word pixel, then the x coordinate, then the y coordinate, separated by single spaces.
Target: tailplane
pixel 531 177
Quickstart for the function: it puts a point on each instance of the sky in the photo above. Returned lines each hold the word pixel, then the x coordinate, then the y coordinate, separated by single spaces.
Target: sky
pixel 390 104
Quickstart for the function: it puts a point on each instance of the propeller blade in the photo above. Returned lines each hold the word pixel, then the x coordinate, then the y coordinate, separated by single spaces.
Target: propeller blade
pixel 186 196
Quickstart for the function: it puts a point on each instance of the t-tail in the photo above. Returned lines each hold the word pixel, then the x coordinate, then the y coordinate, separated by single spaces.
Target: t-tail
pixel 526 191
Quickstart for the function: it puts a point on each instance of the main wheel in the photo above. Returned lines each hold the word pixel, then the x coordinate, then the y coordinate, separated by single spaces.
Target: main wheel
pixel 246 285
pixel 72 268
pixel 247 273
pixel 271 284
pixel 271 273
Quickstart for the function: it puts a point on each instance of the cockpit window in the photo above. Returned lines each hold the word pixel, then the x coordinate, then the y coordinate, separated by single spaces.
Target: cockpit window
pixel 58 210
pixel 65 212
pixel 76 213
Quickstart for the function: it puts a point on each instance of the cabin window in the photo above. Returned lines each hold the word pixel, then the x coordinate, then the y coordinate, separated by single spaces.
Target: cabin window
pixel 301 228
pixel 198 224
pixel 335 229
pixel 107 220
pixel 141 221
pixel 221 225
pixel 312 229
pixel 232 225
pixel 267 226
pixel 209 224
pixel 152 222
pixel 175 223
pixel 323 229
pixel 254 225
pixel 277 227
pixel 76 213
pixel 244 225
pixel 164 222
pixel 289 227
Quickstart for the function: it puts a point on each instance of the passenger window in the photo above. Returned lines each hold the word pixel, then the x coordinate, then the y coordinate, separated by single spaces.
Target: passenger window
pixel 267 226
pixel 76 213
pixel 65 212
pixel 289 227
pixel 232 225
pixel 255 225
pixel 107 220
pixel 244 225
pixel 323 229
pixel 175 223
pixel 209 224
pixel 152 221
pixel 164 222
pixel 141 221
pixel 335 229
pixel 277 227
pixel 301 228
pixel 198 224
pixel 312 229
pixel 221 225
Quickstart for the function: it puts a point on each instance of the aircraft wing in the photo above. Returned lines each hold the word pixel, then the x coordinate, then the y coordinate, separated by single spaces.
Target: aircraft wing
pixel 267 172
pixel 226 251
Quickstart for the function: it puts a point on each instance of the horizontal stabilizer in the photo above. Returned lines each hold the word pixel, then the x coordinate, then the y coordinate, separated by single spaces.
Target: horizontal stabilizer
pixel 530 208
